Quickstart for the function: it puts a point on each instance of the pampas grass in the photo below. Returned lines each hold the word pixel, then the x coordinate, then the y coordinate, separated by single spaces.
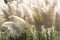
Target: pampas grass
pixel 29 20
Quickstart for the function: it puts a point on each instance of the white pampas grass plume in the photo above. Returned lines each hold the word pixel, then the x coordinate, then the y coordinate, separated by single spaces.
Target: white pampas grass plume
pixel 11 9
pixel 50 30
pixel 25 25
pixel 12 29
pixel 57 21
pixel 37 18
pixel 20 12
pixel 3 5
pixel 43 31
pixel 2 16
pixel 19 21
pixel 28 13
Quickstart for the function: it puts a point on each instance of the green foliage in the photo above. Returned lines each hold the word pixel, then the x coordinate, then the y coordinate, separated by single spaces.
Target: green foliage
pixel 25 36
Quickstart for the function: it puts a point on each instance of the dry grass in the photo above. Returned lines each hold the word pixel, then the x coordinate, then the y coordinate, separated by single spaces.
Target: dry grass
pixel 29 20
